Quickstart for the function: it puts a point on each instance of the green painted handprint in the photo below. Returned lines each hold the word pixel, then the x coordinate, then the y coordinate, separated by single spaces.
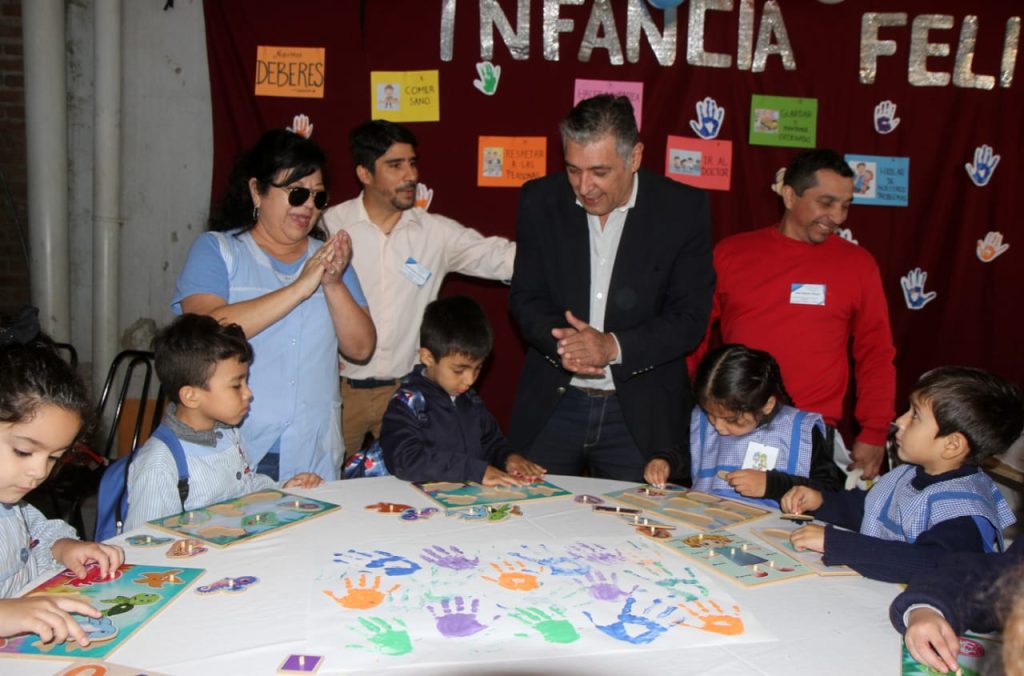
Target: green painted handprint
pixel 553 629
pixel 384 638
pixel 489 76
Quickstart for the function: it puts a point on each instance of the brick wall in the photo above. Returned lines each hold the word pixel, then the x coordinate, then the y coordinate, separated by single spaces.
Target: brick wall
pixel 14 277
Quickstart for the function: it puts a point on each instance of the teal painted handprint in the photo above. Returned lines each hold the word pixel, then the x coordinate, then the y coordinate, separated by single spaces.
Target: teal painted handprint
pixel 383 637
pixel 489 76
pixel 553 627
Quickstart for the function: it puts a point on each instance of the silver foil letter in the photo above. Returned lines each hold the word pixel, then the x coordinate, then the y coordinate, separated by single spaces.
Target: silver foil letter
pixel 920 49
pixel 871 47
pixel 601 33
pixel 963 75
pixel 517 41
pixel 447 29
pixel 772 24
pixel 553 25
pixel 1010 43
pixel 663 44
pixel 745 35
pixel 695 54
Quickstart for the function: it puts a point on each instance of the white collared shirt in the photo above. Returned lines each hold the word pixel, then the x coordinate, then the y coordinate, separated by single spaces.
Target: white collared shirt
pixel 604 245
pixel 437 245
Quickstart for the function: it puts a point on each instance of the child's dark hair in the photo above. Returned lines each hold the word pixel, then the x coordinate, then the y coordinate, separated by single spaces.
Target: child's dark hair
pixel 987 409
pixel 188 349
pixel 740 379
pixel 33 373
pixel 456 325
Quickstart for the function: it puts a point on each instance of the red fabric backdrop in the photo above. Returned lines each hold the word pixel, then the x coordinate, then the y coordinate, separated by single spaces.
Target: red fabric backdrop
pixel 974 320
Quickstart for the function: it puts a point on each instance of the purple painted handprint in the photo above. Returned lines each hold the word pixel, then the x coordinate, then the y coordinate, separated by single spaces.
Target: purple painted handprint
pixel 454 621
pixel 600 588
pixel 597 554
pixel 621 630
pixel 452 558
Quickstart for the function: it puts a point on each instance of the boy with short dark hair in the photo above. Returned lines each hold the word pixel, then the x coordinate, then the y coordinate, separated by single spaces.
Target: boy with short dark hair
pixel 938 501
pixel 203 367
pixel 436 428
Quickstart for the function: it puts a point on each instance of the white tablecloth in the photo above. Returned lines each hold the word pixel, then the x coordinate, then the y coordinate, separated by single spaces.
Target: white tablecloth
pixel 837 625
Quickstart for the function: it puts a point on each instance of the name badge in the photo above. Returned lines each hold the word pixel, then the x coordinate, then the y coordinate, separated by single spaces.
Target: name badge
pixel 760 456
pixel 806 294
pixel 415 273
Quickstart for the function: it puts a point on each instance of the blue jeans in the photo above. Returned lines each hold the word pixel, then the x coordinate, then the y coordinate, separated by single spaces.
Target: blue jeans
pixel 587 432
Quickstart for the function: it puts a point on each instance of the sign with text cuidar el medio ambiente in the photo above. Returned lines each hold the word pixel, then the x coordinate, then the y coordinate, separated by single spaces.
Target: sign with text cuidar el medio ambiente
pixel 783 121
pixel 290 71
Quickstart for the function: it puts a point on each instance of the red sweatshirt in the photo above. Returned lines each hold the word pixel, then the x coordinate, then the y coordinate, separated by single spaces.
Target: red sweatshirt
pixel 802 302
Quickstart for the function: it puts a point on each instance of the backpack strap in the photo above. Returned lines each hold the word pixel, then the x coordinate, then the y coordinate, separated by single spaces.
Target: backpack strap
pixel 415 400
pixel 171 441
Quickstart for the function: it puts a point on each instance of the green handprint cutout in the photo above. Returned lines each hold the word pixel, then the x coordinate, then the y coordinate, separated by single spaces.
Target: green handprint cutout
pixel 489 76
pixel 552 629
pixel 384 638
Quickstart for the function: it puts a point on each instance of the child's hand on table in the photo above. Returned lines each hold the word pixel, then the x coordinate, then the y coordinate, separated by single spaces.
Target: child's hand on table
pixel 304 480
pixel 48 616
pixel 75 554
pixel 656 472
pixel 800 499
pixel 495 477
pixel 811 536
pixel 931 640
pixel 520 467
pixel 749 482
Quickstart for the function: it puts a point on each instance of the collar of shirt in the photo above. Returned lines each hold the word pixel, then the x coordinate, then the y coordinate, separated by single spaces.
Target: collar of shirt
pixel 624 208
pixel 409 217
pixel 186 433
pixel 923 480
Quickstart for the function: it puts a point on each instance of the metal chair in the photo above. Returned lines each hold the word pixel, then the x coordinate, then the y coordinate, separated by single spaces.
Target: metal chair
pixel 131 375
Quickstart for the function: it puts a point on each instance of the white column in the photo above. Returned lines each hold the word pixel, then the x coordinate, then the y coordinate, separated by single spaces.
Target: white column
pixel 106 185
pixel 46 142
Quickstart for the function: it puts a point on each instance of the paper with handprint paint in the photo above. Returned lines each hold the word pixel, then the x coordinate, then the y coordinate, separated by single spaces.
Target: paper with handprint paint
pixel 411 604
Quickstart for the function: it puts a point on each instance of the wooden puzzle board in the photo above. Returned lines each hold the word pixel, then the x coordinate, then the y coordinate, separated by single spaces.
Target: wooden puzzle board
pixel 462 494
pixel 779 538
pixel 223 524
pixel 135 595
pixel 746 563
pixel 695 509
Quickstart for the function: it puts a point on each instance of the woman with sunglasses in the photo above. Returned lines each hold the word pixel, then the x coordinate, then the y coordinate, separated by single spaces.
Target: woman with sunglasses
pixel 265 267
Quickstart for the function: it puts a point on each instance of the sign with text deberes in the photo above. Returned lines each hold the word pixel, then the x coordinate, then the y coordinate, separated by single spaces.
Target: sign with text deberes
pixel 290 71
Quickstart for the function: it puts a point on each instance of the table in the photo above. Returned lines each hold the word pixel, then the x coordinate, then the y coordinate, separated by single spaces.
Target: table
pixel 834 624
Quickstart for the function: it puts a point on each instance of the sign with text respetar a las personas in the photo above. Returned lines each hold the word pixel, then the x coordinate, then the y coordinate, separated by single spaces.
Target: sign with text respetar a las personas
pixel 290 71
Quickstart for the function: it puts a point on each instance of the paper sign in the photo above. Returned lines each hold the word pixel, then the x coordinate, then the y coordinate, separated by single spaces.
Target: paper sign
pixel 699 162
pixel 510 161
pixel 634 91
pixel 880 181
pixel 783 121
pixel 405 96
pixel 290 71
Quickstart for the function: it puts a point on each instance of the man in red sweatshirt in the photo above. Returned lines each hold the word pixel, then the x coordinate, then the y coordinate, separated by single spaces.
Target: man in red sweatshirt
pixel 800 292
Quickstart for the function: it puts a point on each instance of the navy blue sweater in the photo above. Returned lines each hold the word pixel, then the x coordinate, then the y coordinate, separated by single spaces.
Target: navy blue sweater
pixel 893 560
pixel 965 588
pixel 450 440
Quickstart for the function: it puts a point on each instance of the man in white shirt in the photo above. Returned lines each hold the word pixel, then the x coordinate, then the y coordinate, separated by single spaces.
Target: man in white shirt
pixel 401 255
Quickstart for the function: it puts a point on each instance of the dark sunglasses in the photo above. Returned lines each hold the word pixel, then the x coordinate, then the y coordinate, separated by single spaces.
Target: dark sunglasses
pixel 297 196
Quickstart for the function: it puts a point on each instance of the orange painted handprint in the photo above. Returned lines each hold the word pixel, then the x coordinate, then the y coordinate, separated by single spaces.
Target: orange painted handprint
pixel 514 576
pixel 362 597
pixel 713 619
pixel 991 247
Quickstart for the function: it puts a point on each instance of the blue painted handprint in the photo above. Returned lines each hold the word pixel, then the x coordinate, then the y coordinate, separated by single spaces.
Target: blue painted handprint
pixel 392 564
pixel 452 558
pixel 596 554
pixel 625 629
pixel 709 119
pixel 676 586
pixel 913 289
pixel 556 564
pixel 984 164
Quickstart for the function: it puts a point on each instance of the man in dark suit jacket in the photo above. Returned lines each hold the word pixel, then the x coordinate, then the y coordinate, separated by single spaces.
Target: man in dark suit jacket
pixel 612 287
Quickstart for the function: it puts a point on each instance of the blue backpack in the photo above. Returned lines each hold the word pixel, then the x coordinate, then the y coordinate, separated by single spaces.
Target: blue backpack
pixel 112 501
pixel 370 461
